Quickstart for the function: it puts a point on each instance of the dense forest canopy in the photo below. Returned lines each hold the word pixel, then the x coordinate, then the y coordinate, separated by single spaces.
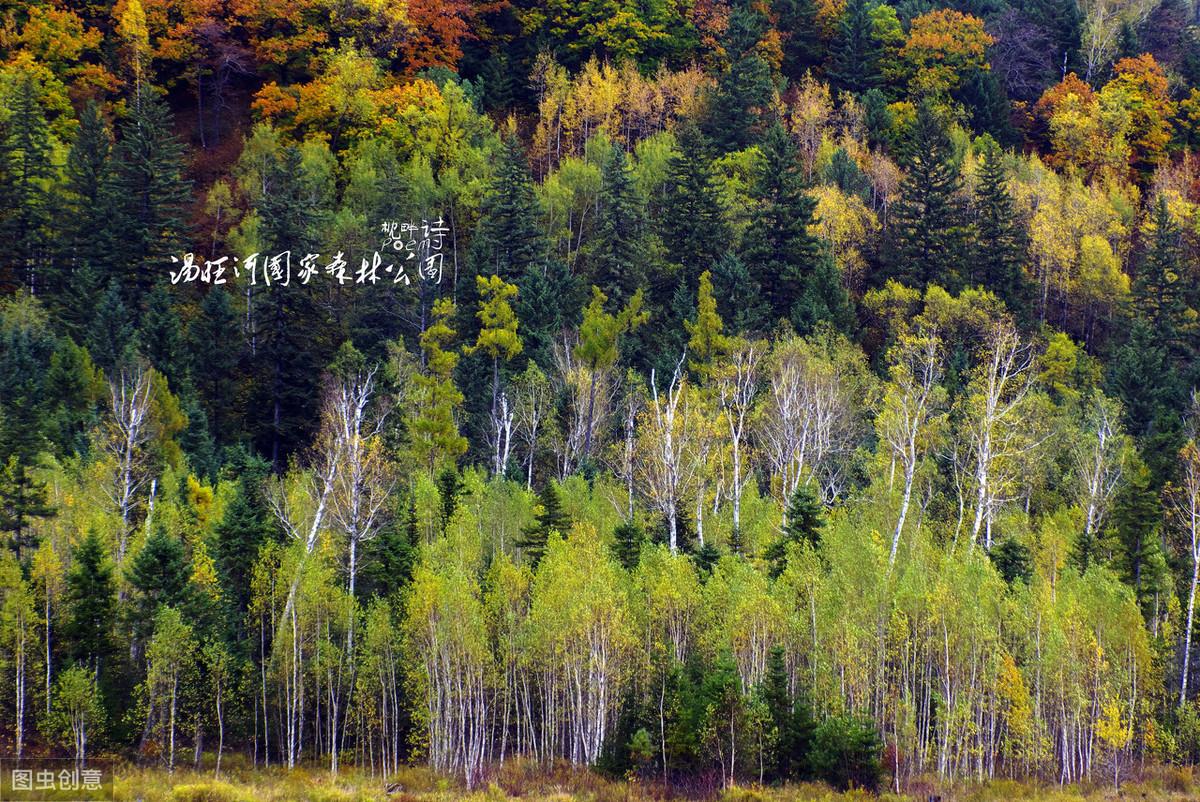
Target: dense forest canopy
pixel 806 388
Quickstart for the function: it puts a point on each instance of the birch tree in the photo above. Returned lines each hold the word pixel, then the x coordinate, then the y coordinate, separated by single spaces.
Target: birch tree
pixel 599 340
pixel 497 339
pixel 666 465
pixel 49 575
pixel 360 501
pixel 911 414
pixel 532 404
pixel 999 425
pixel 16 633
pixel 128 433
pixel 1184 500
pixel 737 385
pixel 76 710
pixel 170 659
pixel 1099 462
pixel 808 418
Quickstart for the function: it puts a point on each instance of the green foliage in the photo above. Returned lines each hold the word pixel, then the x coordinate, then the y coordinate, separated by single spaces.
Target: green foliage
pixel 26 205
pixel 745 90
pixel 549 518
pixel 854 65
pixel 804 520
pixel 785 259
pixel 508 242
pixel 999 246
pixel 91 601
pixel 621 252
pixel 149 193
pixel 692 220
pixel 628 540
pixel 847 753
pixel 159 575
pixel 929 231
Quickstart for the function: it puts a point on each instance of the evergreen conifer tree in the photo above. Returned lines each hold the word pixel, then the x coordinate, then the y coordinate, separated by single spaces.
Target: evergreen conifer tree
pixel 805 518
pixel 693 223
pixel 26 182
pixel 159 577
pixel 783 256
pixel 550 518
pixel 999 242
pixel 91 601
pixel 928 225
pixel 111 335
pixel 508 242
pixel 628 539
pixel 620 253
pixel 746 88
pixel 1158 288
pixel 149 193
pixel 854 65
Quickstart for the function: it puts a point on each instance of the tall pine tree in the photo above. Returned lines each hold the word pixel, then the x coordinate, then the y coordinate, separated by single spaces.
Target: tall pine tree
pixel 86 244
pixel 854 65
pixel 150 193
pixel 928 226
pixel 550 518
pixel 620 253
pixel 26 179
pixel 744 90
pixel 999 240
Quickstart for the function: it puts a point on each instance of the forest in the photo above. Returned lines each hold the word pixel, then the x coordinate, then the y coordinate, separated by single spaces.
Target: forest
pixel 776 391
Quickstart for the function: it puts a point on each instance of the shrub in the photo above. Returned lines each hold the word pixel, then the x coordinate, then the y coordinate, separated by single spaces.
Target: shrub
pixel 207 792
pixel 847 753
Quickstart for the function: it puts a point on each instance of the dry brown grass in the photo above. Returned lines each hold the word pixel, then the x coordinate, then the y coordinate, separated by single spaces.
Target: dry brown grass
pixel 528 782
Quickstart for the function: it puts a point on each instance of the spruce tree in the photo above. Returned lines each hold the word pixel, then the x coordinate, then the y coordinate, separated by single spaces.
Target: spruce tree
pixel 74 382
pixel 26 178
pixel 746 88
pixel 844 173
pixel 1136 522
pixel 548 300
pixel 999 241
pixel 239 535
pixel 804 520
pixel 823 300
pixel 389 558
pixel 783 256
pixel 928 227
pixel 91 602
pixel 1141 375
pixel 160 337
pixel 628 539
pixel 508 242
pixel 22 498
pixel 854 66
pixel 159 577
pixel 792 721
pixel 551 517
pixel 739 297
pixel 291 350
pixel 214 359
pixel 449 488
pixel 1158 288
pixel 693 225
pixel 799 27
pixel 111 334
pixel 85 246
pixel 150 194
pixel 619 257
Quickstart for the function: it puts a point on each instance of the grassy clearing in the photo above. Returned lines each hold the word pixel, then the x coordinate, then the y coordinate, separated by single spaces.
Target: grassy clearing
pixel 564 784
